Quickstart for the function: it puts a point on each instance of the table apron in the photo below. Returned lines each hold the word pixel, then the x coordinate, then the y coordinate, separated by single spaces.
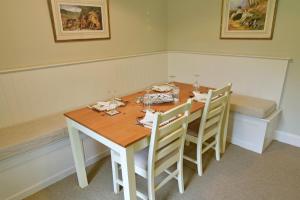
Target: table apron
pixel 112 145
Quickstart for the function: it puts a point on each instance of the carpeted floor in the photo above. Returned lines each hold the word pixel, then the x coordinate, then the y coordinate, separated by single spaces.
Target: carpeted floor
pixel 240 175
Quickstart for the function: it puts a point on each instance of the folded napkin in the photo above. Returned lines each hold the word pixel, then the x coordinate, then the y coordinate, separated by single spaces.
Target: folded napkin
pixel 162 88
pixel 200 97
pixel 160 98
pixel 147 121
pixel 107 105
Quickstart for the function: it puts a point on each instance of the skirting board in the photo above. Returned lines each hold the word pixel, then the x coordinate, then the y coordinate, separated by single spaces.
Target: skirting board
pixel 280 136
pixel 56 177
pixel 243 144
pixel 288 138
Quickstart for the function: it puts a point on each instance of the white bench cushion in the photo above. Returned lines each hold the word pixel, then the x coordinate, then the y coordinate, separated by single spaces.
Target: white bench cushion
pixel 252 106
pixel 27 136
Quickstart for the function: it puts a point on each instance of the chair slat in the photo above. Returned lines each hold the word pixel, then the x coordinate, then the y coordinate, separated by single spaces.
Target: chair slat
pixel 221 91
pixel 218 102
pixel 210 132
pixel 212 121
pixel 167 150
pixel 170 137
pixel 173 112
pixel 172 126
pixel 214 112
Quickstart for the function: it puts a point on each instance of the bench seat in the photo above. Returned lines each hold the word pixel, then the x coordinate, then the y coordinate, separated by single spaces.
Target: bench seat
pixel 252 122
pixel 252 106
pixel 27 136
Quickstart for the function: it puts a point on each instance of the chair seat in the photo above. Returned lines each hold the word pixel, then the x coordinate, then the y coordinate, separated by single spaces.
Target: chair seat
pixel 141 159
pixel 252 106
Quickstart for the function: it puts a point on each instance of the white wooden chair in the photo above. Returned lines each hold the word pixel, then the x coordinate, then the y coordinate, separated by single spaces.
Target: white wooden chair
pixel 211 125
pixel 165 149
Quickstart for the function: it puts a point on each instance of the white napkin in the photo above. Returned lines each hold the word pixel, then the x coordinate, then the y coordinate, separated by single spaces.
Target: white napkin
pixel 106 105
pixel 200 97
pixel 147 121
pixel 162 88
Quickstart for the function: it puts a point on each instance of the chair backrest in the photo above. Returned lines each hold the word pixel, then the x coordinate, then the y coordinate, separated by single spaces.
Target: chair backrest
pixel 213 113
pixel 167 138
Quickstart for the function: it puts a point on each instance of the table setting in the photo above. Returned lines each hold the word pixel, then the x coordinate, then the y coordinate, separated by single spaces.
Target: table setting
pixel 153 99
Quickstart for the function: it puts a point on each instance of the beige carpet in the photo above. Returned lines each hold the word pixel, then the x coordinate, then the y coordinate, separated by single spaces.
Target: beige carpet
pixel 240 175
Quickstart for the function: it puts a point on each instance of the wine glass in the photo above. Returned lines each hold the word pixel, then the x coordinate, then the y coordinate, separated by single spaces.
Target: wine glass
pixel 172 80
pixel 148 90
pixel 147 102
pixel 175 94
pixel 113 104
pixel 196 83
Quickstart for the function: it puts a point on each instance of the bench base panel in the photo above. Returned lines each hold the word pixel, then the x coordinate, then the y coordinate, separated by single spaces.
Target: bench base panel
pixel 27 173
pixel 252 133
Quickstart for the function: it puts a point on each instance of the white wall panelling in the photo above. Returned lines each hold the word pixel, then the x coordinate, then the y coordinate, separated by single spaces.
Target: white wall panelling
pixel 253 76
pixel 27 95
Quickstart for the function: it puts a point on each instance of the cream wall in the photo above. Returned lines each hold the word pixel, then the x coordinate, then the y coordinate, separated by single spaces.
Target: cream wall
pixel 26 36
pixel 194 26
pixel 139 26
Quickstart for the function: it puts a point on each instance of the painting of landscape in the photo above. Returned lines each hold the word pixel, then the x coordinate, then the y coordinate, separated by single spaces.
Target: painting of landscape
pixel 247 14
pixel 81 18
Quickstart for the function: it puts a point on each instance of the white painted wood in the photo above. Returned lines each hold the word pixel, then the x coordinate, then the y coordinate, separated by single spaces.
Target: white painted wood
pixel 232 55
pixel 128 173
pixel 165 149
pixel 252 133
pixel 288 138
pixel 41 167
pixel 28 95
pixel 211 124
pixel 126 155
pixel 245 73
pixel 78 155
pixel 115 173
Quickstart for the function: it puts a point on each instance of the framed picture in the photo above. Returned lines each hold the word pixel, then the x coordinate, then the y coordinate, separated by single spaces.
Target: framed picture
pixel 248 19
pixel 80 19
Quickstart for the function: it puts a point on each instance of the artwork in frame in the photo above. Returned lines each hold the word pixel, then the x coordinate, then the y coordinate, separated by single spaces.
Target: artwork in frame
pixel 80 19
pixel 248 19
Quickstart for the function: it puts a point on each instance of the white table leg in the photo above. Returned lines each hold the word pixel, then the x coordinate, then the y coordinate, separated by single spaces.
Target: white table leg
pixel 115 173
pixel 128 173
pixel 77 150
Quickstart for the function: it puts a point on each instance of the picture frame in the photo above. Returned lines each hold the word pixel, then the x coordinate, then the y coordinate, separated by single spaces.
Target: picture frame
pixel 248 19
pixel 80 19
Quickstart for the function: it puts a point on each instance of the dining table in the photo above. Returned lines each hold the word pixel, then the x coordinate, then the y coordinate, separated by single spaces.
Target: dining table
pixel 121 133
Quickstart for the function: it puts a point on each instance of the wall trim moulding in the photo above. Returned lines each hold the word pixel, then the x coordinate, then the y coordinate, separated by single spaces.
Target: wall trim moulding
pixel 288 138
pixel 228 54
pixel 38 67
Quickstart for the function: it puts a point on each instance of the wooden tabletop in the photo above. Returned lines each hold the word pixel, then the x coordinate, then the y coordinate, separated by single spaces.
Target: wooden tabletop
pixel 122 128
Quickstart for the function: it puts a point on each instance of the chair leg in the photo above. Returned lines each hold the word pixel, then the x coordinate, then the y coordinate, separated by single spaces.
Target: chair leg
pixel 151 188
pixel 115 173
pixel 180 177
pixel 217 147
pixel 199 158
